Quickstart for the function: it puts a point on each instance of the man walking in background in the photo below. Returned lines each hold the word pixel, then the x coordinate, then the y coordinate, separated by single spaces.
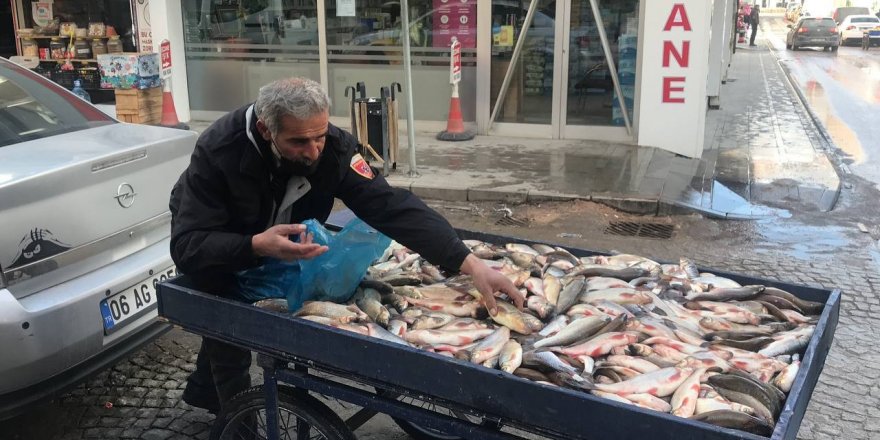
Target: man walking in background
pixel 754 18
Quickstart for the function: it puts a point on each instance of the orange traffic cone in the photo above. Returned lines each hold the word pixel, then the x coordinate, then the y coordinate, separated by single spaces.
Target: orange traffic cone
pixel 455 130
pixel 169 114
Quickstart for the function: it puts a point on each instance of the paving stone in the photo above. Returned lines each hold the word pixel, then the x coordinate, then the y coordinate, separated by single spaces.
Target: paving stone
pixel 131 433
pixel 157 434
pixel 162 422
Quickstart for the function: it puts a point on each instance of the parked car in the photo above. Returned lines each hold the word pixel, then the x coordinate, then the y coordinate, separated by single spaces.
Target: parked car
pixel 853 27
pixel 813 32
pixel 840 14
pixel 85 237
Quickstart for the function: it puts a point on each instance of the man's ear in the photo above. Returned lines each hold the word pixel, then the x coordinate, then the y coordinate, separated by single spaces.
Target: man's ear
pixel 264 131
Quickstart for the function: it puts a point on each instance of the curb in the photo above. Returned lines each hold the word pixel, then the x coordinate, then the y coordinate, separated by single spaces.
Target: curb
pixel 828 145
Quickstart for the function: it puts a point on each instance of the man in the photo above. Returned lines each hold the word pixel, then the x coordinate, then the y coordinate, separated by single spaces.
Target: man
pixel 754 18
pixel 259 171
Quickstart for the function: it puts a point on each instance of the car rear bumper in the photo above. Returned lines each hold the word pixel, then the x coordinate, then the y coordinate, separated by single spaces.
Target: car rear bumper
pixel 857 35
pixel 56 336
pixel 817 41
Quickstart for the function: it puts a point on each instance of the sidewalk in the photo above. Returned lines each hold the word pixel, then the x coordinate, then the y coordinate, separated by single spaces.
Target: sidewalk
pixel 763 157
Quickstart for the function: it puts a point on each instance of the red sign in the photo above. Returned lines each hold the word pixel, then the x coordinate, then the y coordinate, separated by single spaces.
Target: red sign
pixel 455 18
pixel 456 62
pixel 165 54
pixel 674 86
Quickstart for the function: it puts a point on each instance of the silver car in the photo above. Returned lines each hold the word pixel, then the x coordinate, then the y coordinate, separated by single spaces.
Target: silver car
pixel 84 235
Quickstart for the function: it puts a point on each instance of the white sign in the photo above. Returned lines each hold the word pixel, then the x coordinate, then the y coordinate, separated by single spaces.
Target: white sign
pixel 675 64
pixel 345 8
pixel 455 62
pixel 42 12
pixel 145 32
pixel 165 57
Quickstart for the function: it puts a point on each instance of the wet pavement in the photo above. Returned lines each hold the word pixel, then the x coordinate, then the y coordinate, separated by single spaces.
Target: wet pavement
pixel 843 92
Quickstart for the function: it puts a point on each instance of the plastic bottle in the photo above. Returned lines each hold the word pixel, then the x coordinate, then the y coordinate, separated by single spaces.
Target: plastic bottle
pixel 79 91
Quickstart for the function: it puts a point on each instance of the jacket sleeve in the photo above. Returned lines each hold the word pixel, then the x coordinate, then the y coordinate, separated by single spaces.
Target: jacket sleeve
pixel 402 216
pixel 200 237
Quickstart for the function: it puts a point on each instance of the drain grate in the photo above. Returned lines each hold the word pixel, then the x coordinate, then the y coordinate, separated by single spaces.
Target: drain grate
pixel 509 220
pixel 658 231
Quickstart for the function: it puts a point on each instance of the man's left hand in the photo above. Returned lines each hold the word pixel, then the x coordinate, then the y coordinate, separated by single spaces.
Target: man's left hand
pixel 488 281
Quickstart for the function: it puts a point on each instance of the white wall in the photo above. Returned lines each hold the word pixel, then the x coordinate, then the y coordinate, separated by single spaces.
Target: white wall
pixel 672 102
pixel 719 44
pixel 167 23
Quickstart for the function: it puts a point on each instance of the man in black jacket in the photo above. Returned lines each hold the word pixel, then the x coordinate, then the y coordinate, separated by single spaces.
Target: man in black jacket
pixel 754 19
pixel 258 172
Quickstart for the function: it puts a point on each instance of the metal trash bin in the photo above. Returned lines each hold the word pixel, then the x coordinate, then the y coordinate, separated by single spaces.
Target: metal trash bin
pixel 374 123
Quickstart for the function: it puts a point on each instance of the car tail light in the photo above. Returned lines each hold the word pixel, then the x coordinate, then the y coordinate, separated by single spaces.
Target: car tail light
pixel 834 30
pixel 803 30
pixel 849 28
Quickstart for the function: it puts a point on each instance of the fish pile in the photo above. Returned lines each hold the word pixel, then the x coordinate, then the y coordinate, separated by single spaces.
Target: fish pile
pixel 623 327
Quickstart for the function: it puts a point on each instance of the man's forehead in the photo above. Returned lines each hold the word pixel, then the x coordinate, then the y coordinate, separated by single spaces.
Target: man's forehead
pixel 291 125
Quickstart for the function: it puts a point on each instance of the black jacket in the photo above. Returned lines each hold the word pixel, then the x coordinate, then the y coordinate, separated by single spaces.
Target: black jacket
pixel 225 197
pixel 754 17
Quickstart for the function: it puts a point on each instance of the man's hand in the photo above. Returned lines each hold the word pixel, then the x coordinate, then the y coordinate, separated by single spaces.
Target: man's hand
pixel 488 281
pixel 275 242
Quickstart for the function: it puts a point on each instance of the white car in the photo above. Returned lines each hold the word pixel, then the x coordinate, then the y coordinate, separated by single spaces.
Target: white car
pixel 84 237
pixel 853 26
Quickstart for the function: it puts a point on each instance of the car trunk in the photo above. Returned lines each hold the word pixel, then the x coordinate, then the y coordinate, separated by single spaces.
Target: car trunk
pixel 78 201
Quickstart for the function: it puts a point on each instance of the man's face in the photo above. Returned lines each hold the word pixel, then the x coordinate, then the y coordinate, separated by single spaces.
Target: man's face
pixel 301 142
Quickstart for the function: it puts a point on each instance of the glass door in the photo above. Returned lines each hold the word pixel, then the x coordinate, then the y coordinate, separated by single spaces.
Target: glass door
pixel 528 102
pixel 591 107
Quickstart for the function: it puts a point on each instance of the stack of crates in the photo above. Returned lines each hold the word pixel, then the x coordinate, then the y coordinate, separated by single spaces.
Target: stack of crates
pixel 139 106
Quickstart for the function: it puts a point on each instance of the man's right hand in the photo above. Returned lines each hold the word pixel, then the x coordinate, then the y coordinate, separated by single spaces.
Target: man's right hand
pixel 275 242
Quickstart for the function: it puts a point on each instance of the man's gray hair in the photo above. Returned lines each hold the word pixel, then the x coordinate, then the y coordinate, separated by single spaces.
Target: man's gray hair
pixel 301 98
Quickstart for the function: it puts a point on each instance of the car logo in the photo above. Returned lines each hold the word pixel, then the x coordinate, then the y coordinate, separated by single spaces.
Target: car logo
pixel 125 195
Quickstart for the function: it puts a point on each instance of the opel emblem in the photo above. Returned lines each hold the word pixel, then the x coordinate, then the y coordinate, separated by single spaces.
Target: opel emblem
pixel 125 195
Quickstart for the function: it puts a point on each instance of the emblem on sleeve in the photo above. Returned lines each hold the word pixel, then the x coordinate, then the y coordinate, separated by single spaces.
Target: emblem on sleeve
pixel 360 166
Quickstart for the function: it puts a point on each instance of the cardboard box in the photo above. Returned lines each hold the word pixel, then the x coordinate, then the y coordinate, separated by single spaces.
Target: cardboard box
pixel 129 70
pixel 139 106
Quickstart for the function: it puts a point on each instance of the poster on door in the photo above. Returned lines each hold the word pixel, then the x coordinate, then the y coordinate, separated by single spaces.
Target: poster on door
pixel 455 18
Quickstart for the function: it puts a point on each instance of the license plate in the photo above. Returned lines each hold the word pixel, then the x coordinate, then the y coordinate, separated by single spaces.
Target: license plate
pixel 132 302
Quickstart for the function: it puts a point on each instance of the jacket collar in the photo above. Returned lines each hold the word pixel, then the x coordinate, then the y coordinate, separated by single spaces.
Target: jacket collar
pixel 255 161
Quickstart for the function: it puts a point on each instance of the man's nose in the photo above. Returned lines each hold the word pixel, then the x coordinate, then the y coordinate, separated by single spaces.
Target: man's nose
pixel 313 151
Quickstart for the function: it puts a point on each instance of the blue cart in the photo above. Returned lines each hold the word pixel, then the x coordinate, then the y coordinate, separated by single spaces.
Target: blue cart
pixel 869 37
pixel 432 396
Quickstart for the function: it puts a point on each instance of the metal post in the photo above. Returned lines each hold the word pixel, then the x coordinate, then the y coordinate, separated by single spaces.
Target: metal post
pixel 611 67
pixel 407 79
pixel 514 59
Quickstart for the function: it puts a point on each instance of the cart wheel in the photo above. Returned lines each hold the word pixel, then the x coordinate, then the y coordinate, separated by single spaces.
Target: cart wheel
pixel 419 432
pixel 244 417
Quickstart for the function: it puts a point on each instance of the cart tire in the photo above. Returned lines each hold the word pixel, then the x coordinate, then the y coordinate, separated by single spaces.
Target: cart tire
pixel 293 406
pixel 834 48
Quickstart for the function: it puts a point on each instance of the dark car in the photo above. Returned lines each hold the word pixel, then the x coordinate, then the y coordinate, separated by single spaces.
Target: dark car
pixel 813 32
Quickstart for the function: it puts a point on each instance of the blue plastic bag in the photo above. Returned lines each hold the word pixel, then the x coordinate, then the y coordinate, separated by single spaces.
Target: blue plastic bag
pixel 335 274
pixel 332 276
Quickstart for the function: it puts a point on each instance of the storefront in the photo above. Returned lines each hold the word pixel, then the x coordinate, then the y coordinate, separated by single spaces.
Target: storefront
pixel 631 71
pixel 74 32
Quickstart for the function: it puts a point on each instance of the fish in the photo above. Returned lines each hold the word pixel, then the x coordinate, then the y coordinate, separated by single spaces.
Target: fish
pixel 510 357
pixel 617 295
pixel 780 302
pixel 625 274
pixel 574 332
pixel 533 322
pixel 554 326
pixel 727 294
pixel 570 294
pixel 578 311
pixel 490 347
pixel 808 307
pixel 369 301
pixel 724 384
pixel 464 324
pixel 432 271
pixel 602 283
pixel 543 249
pixel 435 337
pixel 638 364
pixel 785 379
pixel 787 345
pixel 443 293
pixel 522 248
pixel 530 374
pixel 462 309
pixel 736 420
pixel 612 396
pixel 509 316
pixel 684 400
pixel 546 361
pixel 342 313
pixel 432 320
pixel 689 268
pixel 719 403
pixel 408 292
pixel 273 304
pixel 522 259
pixel 540 305
pixel 396 301
pixel 552 287
pixel 397 327
pixel 599 345
pixel 535 286
pixel 401 280
pixel 648 401
pixel 377 331
pixel 753 344
pixel 660 383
